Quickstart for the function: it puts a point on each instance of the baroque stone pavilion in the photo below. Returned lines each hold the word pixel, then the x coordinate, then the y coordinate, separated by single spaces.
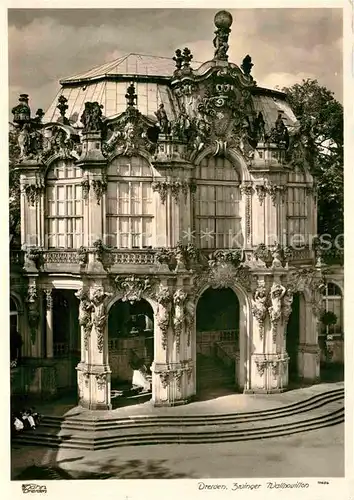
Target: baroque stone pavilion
pixel 161 206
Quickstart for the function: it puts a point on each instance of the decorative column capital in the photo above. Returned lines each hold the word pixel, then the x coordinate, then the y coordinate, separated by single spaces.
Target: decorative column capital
pixel 261 193
pixel 246 189
pixel 99 187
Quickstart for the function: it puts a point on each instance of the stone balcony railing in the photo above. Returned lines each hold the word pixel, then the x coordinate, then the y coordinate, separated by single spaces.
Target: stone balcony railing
pixel 117 257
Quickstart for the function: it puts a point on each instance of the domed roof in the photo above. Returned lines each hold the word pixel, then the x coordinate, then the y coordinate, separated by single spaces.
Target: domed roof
pixel 107 84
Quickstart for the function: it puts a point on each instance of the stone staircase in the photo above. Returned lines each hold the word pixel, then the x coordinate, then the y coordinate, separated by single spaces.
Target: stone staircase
pixel 213 373
pixel 91 432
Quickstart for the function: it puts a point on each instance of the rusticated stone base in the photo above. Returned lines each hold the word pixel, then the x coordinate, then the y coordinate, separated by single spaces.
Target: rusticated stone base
pixel 179 402
pixel 269 373
pixel 309 362
pixel 264 391
pixel 94 406
pixel 94 386
pixel 172 384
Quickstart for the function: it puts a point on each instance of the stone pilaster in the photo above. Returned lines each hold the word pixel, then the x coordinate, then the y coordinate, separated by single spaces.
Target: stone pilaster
pixel 309 362
pixel 49 322
pixel 247 192
pixel 269 359
pixel 94 374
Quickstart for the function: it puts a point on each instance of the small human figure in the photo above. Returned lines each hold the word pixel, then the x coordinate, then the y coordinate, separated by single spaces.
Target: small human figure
pixel 162 119
pixel 28 419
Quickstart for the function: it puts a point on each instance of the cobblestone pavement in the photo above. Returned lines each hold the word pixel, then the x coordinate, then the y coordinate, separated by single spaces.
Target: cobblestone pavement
pixel 318 453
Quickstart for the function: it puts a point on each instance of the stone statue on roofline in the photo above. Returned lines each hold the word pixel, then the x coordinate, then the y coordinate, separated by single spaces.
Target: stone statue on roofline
pixel 222 21
pixel 91 118
pixel 161 116
pixel 247 65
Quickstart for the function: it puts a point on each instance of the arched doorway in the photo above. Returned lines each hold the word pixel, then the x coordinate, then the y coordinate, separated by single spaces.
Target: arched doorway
pixel 66 338
pixel 217 340
pixel 130 342
pixel 293 338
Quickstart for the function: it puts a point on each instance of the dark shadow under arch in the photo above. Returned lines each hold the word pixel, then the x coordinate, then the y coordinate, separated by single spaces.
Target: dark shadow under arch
pixel 293 338
pixel 217 342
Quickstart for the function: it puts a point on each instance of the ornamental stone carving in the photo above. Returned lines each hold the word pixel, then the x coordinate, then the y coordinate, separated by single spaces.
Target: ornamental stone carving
pixel 261 193
pixel 165 378
pixel 222 21
pixel 82 254
pixel 277 293
pixel 178 378
pixel 190 308
pixel 246 189
pixel 85 315
pixel 34 191
pixel 287 305
pixel 308 278
pixel 101 380
pixel 49 298
pixel 33 310
pixel 99 187
pixel 179 298
pixel 85 186
pixel 58 142
pixel 174 187
pixel 181 127
pixel 133 287
pixel 259 307
pixel 33 257
pixel 162 119
pixel 86 377
pixel 91 118
pixel 130 132
pixel 261 365
pixel 164 299
pixel 225 257
pixel 99 315
pixel 224 276
pixel 247 65
pixel 277 258
pixel 162 188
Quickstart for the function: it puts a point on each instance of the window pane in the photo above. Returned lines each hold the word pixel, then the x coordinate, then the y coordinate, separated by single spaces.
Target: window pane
pixel 60 208
pixel 61 193
pixel 124 232
pixel 61 240
pixel 51 208
pixel 124 198
pixel 136 232
pixel 78 192
pixel 61 225
pixel 78 208
pixel 147 232
pixel 69 208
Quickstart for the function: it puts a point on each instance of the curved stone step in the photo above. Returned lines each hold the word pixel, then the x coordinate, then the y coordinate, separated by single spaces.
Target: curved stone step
pixel 78 422
pixel 92 443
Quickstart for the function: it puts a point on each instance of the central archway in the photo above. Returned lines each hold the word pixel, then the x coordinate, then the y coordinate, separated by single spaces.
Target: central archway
pixel 130 341
pixel 217 341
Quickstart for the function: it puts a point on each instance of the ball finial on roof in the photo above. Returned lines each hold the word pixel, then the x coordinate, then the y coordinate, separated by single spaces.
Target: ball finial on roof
pixel 223 19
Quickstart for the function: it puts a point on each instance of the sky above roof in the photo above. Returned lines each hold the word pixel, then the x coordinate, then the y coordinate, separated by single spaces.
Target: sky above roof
pixel 286 45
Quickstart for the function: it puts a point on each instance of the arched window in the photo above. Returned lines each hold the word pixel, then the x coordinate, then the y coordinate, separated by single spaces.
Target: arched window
pixel 333 301
pixel 297 208
pixel 64 218
pixel 129 203
pixel 217 204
